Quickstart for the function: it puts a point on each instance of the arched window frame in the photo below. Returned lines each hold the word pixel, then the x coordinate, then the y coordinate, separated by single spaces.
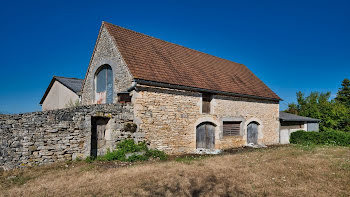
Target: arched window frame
pixel 103 85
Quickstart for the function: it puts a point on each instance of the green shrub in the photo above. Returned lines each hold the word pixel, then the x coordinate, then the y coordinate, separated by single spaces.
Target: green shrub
pixel 157 154
pixel 332 137
pixel 135 157
pixel 127 147
pixel 89 159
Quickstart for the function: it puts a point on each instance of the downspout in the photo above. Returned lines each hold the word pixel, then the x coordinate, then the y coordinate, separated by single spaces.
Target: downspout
pixel 132 87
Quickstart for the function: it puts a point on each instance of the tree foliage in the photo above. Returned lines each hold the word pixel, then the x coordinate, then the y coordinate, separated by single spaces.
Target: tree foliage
pixel 334 114
pixel 343 95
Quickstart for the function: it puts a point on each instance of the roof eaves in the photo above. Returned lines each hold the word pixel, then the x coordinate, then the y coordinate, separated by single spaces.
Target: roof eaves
pixel 47 90
pixel 189 88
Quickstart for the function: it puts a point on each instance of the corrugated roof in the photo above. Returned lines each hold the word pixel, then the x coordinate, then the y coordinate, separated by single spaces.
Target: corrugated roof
pixel 287 117
pixel 152 59
pixel 73 84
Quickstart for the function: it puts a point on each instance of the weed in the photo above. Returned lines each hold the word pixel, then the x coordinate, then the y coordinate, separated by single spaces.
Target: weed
pixel 140 150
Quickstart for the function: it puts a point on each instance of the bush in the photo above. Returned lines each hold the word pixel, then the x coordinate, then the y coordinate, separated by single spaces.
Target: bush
pixel 140 150
pixel 157 154
pixel 331 137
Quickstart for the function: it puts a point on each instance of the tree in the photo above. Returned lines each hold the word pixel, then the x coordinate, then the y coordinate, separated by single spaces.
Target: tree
pixel 333 115
pixel 343 94
pixel 292 108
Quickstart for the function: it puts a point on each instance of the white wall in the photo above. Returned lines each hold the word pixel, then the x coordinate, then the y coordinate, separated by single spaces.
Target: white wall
pixel 58 97
pixel 285 132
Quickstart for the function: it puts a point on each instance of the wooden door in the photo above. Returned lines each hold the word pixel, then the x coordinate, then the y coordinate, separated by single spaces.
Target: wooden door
pixel 252 133
pixel 98 130
pixel 205 136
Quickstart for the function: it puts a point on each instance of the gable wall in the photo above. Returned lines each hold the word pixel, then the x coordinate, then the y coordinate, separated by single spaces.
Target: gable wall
pixel 106 53
pixel 169 118
pixel 59 97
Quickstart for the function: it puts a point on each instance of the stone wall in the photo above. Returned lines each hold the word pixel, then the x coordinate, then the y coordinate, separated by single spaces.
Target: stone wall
pixel 44 137
pixel 106 52
pixel 169 118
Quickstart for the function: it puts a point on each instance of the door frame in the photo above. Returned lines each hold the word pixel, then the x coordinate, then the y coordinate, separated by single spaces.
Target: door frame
pixel 260 130
pixel 93 121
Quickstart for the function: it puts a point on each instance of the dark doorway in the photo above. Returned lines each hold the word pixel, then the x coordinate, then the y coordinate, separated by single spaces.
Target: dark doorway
pixel 205 135
pixel 98 130
pixel 252 133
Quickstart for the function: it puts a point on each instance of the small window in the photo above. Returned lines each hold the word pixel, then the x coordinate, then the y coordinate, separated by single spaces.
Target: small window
pixel 124 97
pixel 206 98
pixel 231 128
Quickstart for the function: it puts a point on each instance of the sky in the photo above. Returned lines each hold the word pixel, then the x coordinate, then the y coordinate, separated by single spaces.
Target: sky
pixel 290 45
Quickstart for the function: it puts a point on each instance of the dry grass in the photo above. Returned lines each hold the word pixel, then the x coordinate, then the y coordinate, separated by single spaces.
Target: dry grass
pixel 282 171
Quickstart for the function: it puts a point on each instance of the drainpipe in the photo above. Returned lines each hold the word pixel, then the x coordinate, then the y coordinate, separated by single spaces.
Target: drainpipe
pixel 133 86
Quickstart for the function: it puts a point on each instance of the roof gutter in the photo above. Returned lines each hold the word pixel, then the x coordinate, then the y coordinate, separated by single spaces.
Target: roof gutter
pixel 181 87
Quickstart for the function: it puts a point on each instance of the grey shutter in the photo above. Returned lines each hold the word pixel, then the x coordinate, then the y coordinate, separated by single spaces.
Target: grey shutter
pixel 200 136
pixel 252 133
pixel 109 96
pixel 211 136
pixel 205 136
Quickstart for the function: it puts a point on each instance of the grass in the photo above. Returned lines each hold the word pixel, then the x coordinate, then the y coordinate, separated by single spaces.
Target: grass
pixel 279 171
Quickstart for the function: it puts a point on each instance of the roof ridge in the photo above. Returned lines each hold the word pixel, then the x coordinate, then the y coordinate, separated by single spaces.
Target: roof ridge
pixel 171 42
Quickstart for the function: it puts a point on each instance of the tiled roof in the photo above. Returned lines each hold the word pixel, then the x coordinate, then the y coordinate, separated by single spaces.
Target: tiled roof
pixel 152 59
pixel 73 84
pixel 287 117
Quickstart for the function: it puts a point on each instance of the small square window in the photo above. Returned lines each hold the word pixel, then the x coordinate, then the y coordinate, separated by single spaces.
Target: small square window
pixel 124 97
pixel 231 128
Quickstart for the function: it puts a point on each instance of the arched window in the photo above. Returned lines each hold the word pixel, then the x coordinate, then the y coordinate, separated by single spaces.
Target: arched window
pixel 104 85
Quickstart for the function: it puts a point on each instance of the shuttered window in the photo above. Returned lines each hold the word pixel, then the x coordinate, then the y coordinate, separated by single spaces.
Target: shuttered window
pixel 206 98
pixel 231 128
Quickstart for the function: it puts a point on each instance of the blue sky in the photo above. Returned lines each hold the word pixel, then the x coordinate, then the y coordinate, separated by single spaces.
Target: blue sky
pixel 290 45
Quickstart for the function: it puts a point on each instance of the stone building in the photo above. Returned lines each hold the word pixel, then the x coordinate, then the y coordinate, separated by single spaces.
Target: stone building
pixel 139 87
pixel 184 101
pixel 62 92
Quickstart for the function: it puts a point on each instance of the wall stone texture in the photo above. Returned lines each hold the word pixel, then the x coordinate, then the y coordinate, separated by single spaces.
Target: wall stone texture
pixel 169 118
pixel 106 52
pixel 58 135
pixel 166 119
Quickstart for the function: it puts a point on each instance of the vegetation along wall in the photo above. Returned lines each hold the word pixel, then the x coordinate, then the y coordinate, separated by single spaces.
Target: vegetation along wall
pixel 58 135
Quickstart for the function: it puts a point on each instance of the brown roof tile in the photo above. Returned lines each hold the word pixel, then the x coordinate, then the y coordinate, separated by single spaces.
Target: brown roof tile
pixel 152 59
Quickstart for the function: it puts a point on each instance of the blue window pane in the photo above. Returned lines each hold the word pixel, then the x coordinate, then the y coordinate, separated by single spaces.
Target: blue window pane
pixel 101 81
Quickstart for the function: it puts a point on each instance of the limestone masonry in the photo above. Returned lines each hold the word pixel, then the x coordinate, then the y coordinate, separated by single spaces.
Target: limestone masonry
pixel 160 92
pixel 49 136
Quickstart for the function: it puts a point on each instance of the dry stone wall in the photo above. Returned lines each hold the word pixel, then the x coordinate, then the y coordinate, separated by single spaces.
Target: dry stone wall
pixel 49 136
